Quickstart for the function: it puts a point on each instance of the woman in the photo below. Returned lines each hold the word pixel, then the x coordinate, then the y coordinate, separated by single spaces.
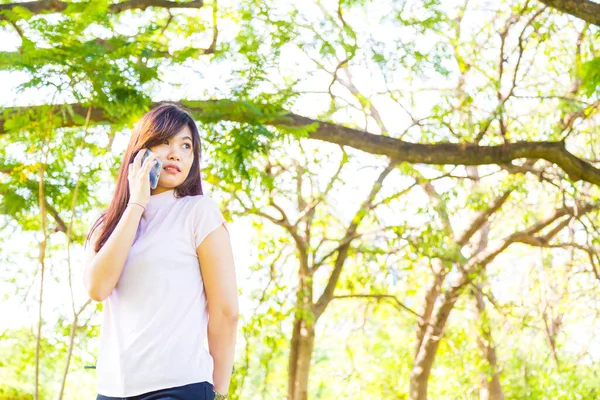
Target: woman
pixel 161 261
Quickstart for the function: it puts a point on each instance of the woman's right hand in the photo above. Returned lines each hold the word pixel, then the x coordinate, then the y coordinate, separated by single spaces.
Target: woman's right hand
pixel 139 177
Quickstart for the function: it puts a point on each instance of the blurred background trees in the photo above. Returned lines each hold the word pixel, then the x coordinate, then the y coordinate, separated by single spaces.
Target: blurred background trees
pixel 413 187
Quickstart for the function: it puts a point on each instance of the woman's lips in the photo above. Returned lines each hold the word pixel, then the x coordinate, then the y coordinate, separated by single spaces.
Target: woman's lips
pixel 171 170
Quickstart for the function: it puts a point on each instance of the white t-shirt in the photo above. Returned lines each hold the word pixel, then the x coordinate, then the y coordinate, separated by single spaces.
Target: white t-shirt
pixel 154 324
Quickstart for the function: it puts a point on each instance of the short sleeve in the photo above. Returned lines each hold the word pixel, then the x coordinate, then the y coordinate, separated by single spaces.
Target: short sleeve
pixel 207 218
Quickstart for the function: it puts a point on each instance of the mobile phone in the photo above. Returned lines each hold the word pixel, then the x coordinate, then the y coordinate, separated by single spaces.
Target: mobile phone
pixel 155 171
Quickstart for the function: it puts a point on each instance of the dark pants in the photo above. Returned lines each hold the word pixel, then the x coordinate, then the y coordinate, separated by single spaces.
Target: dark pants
pixel 193 391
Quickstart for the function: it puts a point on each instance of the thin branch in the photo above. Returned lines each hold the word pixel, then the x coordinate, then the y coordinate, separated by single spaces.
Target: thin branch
pixel 283 221
pixel 310 207
pixel 401 306
pixel 525 236
pixel 213 45
pixel 337 68
pixel 482 218
pixel 43 245
pixel 363 210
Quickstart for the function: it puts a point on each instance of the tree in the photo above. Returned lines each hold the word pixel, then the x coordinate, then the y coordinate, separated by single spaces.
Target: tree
pixel 512 90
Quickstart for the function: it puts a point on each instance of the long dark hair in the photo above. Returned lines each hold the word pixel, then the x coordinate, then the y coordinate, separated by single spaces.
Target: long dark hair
pixel 162 122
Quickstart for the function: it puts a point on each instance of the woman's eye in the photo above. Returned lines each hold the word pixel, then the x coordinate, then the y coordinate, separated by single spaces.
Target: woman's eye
pixel 189 146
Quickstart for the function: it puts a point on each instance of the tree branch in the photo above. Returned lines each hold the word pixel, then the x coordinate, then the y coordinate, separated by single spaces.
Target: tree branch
pixel 482 218
pixel 417 153
pixel 400 305
pixel 364 209
pixel 51 6
pixel 584 9
pixel 428 346
pixel 40 57
pixel 60 224
pixel 525 236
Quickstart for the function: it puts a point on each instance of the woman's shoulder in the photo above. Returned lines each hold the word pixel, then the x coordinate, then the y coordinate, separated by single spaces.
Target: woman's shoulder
pixel 201 200
pixel 206 216
pixel 201 204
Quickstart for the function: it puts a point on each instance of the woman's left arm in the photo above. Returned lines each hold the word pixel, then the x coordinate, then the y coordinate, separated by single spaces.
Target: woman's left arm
pixel 218 272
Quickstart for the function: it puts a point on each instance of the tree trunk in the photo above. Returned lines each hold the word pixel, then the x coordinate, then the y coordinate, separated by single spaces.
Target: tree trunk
pixel 303 338
pixel 490 385
pixel 41 260
pixel 490 381
pixel 40 318
pixel 431 294
pixel 421 370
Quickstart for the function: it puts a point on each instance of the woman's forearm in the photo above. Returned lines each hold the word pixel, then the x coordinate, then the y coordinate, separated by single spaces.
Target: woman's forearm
pixel 102 273
pixel 222 331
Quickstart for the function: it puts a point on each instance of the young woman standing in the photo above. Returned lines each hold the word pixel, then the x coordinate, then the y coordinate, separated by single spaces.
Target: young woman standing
pixel 161 262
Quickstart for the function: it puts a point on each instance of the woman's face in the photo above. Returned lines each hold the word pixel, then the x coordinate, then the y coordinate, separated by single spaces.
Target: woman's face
pixel 178 153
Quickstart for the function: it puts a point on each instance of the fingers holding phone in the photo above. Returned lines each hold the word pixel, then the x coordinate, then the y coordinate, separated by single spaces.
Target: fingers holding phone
pixel 154 171
pixel 138 176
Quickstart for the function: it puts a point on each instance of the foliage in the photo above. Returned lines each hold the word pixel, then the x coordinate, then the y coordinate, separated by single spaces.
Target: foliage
pixel 424 72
